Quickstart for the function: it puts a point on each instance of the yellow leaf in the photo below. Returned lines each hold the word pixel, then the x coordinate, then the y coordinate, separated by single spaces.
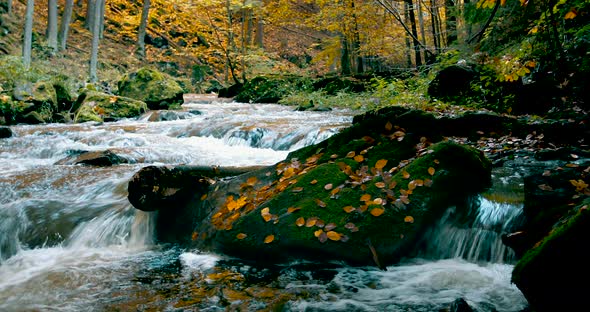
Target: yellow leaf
pixel 378 201
pixel 293 209
pixel 409 219
pixel 311 222
pixel 334 235
pixel 359 158
pixel 348 209
pixel 380 163
pixel 318 233
pixel 204 197
pixel 571 14
pixel 380 185
pixel 388 126
pixel 377 211
pixel 350 154
pixel 314 181
pixel 366 197
pixel 405 174
pixel 431 171
pixel 269 239
pixel 300 221
pixel 251 181
pixel 241 236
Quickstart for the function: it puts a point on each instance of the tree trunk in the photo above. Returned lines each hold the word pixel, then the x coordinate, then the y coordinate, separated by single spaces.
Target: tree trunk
pixel 407 36
pixel 101 26
pixel 9 7
pixel 260 32
pixel 345 57
pixel 433 17
pixel 357 42
pixel 142 28
pixel 28 34
pixel 416 43
pixel 421 22
pixel 90 14
pixel 52 24
pixel 64 27
pixel 451 21
pixel 95 39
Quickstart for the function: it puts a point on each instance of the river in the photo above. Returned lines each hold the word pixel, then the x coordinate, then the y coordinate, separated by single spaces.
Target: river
pixel 70 241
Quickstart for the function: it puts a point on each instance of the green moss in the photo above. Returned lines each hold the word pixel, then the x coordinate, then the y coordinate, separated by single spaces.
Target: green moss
pixel 557 265
pixel 98 106
pixel 156 89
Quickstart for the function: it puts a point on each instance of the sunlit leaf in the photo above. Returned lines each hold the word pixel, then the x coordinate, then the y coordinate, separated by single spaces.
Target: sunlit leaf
pixel 335 191
pixel 350 154
pixel 269 239
pixel 404 199
pixel 349 225
pixel 252 181
pixel 293 209
pixel 412 185
pixel 320 223
pixel 300 221
pixel 571 14
pixel 392 185
pixel 320 203
pixel 318 233
pixel 409 219
pixel 314 181
pixel 333 235
pixel 377 211
pixel 366 197
pixel 333 156
pixel 348 209
pixel 405 174
pixel 328 186
pixel 368 139
pixel 381 163
pixel 359 158
pixel 419 182
pixel 380 185
pixel 363 208
pixel 378 201
pixel 241 236
pixel 311 222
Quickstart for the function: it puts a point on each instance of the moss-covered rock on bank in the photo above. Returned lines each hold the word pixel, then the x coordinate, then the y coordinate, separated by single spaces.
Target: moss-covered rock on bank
pixel 98 106
pixel 156 89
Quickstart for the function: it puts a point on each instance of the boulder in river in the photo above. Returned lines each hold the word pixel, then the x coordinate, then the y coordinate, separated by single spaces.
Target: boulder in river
pixel 31 103
pixel 98 106
pixel 365 195
pixel 156 89
pixel 5 132
pixel 95 158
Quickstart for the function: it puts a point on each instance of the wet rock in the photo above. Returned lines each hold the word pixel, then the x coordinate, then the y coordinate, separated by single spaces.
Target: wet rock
pixel 334 84
pixel 553 273
pixel 96 158
pixel 231 91
pixel 156 89
pixel 31 103
pixel 5 132
pixel 166 115
pixel 460 305
pixel 97 106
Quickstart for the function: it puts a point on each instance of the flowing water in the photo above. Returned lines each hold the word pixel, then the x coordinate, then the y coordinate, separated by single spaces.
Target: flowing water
pixel 70 241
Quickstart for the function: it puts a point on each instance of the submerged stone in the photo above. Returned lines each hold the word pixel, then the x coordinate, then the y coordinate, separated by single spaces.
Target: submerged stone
pixel 5 132
pixel 96 158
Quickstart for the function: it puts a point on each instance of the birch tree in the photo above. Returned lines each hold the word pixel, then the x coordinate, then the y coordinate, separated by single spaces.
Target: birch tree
pixel 28 34
pixel 64 27
pixel 52 24
pixel 95 39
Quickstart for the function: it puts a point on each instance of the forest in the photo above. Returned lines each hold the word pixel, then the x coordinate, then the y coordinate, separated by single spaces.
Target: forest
pixel 297 155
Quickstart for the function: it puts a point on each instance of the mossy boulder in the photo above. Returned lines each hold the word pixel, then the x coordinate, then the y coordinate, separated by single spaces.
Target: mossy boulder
pixel 30 103
pixel 553 274
pixel 263 89
pixel 98 106
pixel 156 89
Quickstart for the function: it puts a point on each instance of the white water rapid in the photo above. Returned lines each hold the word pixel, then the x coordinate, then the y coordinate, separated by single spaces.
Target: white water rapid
pixel 70 241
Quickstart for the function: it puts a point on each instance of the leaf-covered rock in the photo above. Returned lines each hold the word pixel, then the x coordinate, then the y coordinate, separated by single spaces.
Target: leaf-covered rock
pixel 156 89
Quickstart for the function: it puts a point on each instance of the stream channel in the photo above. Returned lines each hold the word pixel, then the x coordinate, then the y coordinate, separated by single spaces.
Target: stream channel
pixel 70 240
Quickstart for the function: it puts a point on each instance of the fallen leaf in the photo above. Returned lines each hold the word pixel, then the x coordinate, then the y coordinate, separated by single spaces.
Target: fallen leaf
pixel 297 189
pixel 409 219
pixel 545 187
pixel 377 211
pixel 320 223
pixel 330 226
pixel 293 209
pixel 428 182
pixel 333 235
pixel 251 181
pixel 344 238
pixel 381 163
pixel 269 239
pixel 436 161
pixel 314 181
pixel 204 197
pixel 195 235
pixel 366 197
pixel 388 126
pixel 300 221
pixel 348 209
pixel 378 201
pixel 318 233
pixel 311 222
pixel 359 158
pixel 431 171
pixel 320 203
pixel 405 174
pixel 241 236
pixel 323 237
pixel 380 185
pixel 350 154
pixel 328 186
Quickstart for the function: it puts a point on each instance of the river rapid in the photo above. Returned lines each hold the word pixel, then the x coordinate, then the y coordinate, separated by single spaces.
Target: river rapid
pixel 70 240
